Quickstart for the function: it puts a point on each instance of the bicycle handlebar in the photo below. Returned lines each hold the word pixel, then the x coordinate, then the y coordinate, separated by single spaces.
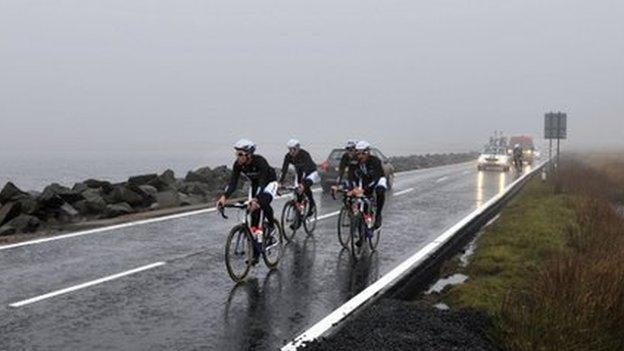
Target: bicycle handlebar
pixel 238 205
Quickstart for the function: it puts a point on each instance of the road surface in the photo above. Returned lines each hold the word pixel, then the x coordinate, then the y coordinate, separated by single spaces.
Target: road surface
pixel 163 285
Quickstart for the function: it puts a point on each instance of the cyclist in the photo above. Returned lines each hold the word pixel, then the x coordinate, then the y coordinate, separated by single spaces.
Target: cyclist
pixel 517 156
pixel 370 177
pixel 263 184
pixel 348 163
pixel 305 170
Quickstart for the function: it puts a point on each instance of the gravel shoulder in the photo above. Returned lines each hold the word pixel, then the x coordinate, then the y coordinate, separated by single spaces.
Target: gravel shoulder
pixel 399 325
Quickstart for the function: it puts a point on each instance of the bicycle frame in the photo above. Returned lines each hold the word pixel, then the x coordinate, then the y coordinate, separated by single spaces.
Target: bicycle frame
pixel 301 200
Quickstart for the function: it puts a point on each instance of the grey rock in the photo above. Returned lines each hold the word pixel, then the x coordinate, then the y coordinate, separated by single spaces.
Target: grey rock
pixel 11 192
pixel 50 199
pixel 80 187
pixel 141 179
pixel 187 200
pixel 167 177
pixel 67 212
pixel 54 195
pixel 102 184
pixel 121 193
pixel 7 230
pixel 93 203
pixel 147 192
pixel 203 175
pixel 165 181
pixel 29 204
pixel 195 188
pixel 25 223
pixel 118 209
pixel 9 211
pixel 167 199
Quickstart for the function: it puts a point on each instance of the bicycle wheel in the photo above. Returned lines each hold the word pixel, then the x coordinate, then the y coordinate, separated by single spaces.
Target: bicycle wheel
pixel 290 220
pixel 309 224
pixel 238 252
pixel 357 236
pixel 273 250
pixel 344 223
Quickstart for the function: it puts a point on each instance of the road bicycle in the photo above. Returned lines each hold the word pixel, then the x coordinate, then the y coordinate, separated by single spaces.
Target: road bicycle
pixel 360 212
pixel 296 212
pixel 243 249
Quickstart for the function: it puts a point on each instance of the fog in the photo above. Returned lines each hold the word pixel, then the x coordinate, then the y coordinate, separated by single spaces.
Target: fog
pixel 193 76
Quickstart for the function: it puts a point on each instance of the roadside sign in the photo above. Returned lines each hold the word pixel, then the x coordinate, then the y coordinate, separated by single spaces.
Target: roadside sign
pixel 555 125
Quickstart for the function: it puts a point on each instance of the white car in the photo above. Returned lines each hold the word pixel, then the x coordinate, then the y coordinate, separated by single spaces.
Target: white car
pixel 494 158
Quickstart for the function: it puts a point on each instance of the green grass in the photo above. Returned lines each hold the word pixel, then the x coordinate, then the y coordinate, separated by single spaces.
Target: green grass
pixel 550 271
pixel 510 252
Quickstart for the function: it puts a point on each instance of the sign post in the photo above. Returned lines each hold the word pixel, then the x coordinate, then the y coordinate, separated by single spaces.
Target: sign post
pixel 555 127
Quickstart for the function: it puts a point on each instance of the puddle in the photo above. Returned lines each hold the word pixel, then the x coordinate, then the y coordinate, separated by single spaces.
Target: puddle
pixel 470 249
pixel 455 279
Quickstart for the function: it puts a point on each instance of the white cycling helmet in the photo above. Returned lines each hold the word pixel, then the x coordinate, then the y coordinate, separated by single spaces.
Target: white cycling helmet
pixel 350 144
pixel 245 145
pixel 517 146
pixel 362 145
pixel 293 143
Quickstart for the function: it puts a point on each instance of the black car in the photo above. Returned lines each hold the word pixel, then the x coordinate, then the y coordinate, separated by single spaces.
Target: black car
pixel 329 168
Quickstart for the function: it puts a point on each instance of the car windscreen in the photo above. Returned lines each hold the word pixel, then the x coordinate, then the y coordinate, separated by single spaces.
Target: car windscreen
pixel 494 151
pixel 335 156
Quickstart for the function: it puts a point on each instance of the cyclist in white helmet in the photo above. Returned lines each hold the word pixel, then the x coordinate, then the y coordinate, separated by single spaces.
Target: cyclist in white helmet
pixel 348 163
pixel 370 178
pixel 263 183
pixel 305 170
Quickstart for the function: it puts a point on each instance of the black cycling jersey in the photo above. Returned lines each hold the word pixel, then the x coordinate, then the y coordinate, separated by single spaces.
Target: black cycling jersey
pixel 304 165
pixel 369 172
pixel 258 171
pixel 348 163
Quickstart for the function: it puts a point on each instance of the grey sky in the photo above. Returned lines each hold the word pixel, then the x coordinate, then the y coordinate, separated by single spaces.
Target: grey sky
pixel 412 76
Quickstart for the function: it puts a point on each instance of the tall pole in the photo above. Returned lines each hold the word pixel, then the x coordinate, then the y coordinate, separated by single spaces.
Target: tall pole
pixel 550 150
pixel 558 152
pixel 558 136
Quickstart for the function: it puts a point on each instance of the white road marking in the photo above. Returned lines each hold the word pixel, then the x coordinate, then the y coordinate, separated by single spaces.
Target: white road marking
pixel 328 215
pixel 402 192
pixel 119 226
pixel 442 179
pixel 85 285
pixel 403 268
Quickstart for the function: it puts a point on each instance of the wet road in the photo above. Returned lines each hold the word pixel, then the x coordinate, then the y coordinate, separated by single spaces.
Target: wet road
pixel 164 286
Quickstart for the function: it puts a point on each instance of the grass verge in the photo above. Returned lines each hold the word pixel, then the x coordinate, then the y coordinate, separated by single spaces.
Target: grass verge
pixel 550 271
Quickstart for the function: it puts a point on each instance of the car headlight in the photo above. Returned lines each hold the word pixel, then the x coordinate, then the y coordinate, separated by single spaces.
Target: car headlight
pixel 482 159
pixel 503 159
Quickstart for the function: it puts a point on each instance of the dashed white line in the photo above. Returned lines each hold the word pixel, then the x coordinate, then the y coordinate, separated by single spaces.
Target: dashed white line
pixel 328 215
pixel 442 179
pixel 403 192
pixel 85 285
